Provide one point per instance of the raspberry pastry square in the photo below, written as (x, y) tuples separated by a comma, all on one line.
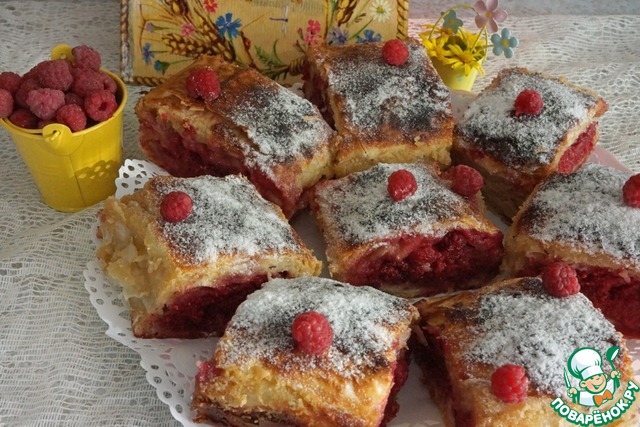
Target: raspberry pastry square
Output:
[(582, 220), (514, 144), (264, 369), (383, 113), (255, 127), (184, 266), (432, 241), (509, 354)]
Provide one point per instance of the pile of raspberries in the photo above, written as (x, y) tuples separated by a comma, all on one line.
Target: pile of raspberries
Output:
[(76, 94)]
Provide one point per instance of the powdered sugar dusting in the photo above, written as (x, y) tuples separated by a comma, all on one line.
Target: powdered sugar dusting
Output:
[(530, 328), (281, 125), (362, 319), (229, 216), (410, 97), (490, 124), (362, 210), (586, 209)]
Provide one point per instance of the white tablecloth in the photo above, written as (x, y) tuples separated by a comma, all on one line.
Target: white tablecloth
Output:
[(57, 367)]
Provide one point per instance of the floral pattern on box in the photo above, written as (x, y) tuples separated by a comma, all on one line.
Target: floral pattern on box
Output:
[(160, 37)]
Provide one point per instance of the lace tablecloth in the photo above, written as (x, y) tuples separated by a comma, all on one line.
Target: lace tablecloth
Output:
[(57, 366)]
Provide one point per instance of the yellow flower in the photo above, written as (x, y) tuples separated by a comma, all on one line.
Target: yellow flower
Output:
[(465, 58), (436, 47)]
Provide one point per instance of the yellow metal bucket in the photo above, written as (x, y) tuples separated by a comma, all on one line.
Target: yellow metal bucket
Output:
[(73, 170)]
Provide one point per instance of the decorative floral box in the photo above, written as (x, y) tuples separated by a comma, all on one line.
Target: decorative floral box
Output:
[(160, 37)]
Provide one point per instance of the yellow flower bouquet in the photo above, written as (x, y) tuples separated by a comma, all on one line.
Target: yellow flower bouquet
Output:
[(458, 54)]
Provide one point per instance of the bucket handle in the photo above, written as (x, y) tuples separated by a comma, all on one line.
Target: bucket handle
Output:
[(57, 139)]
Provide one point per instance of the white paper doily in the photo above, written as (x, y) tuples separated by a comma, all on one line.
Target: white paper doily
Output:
[(170, 364)]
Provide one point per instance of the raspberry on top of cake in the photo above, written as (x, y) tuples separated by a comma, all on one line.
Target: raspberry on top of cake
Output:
[(185, 265), (522, 128), (245, 124), (259, 372), (582, 219), (383, 112), (525, 141), (430, 241), (468, 336)]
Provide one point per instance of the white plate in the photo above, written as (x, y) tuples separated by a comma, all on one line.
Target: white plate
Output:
[(171, 363)]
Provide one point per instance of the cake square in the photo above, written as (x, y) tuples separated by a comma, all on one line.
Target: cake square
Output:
[(255, 127), (184, 279), (464, 338), (582, 220), (516, 152), (430, 242), (383, 113), (258, 373)]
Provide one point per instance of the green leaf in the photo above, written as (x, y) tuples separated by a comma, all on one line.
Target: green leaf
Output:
[(269, 59)]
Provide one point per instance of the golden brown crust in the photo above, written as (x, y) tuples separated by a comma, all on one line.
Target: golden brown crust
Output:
[(155, 269), (258, 374), (361, 225), (461, 386), (239, 132), (508, 182), (350, 82)]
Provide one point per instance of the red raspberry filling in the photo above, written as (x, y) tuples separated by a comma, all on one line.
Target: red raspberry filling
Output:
[(578, 152), (176, 206), (528, 102), (560, 279), (401, 184), (631, 192), (509, 383), (204, 311), (312, 333), (395, 52), (462, 259), (203, 83)]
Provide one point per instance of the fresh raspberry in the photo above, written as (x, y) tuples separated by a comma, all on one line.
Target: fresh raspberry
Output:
[(528, 102), (72, 116), (631, 191), (401, 184), (312, 333), (108, 83), (55, 74), (560, 279), (86, 80), (73, 98), (22, 93), (45, 102), (509, 383), (203, 83), (395, 52), (176, 206), (86, 57), (465, 180), (100, 105), (42, 123), (10, 81), (23, 118), (6, 103)]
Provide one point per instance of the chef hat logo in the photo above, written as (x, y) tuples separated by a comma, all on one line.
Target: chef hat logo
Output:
[(585, 363)]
